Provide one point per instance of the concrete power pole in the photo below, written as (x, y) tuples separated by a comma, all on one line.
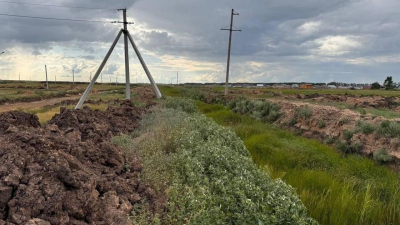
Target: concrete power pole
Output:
[(128, 82), (177, 78), (47, 81), (73, 77), (127, 36), (229, 49)]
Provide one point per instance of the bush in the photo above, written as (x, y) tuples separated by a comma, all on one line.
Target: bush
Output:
[(304, 112), (348, 134), (347, 148), (364, 127), (293, 121), (382, 156), (212, 178), (389, 129), (184, 104), (262, 110), (321, 124)]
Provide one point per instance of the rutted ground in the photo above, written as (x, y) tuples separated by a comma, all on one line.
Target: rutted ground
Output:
[(68, 172)]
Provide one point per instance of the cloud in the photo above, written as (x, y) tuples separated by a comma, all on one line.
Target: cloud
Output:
[(290, 40)]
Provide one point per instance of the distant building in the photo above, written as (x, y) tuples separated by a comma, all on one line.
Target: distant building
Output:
[(306, 86), (367, 87), (260, 85), (295, 86), (332, 86)]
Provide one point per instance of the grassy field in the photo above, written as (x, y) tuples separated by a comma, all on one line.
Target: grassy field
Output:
[(335, 189), (34, 91)]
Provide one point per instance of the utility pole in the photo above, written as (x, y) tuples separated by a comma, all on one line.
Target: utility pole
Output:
[(128, 82), (229, 50), (116, 81), (177, 78), (127, 36), (47, 81), (73, 76), (110, 79)]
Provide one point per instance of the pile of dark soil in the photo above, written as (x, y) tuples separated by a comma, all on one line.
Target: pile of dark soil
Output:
[(68, 172)]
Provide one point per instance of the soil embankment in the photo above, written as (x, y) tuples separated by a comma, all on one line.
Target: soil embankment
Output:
[(68, 172)]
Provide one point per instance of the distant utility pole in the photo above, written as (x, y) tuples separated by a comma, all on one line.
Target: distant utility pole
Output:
[(177, 77), (110, 79), (19, 77), (47, 81), (73, 77), (229, 49), (116, 81)]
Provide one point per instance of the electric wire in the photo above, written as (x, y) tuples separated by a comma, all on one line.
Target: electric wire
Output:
[(59, 6), (51, 18)]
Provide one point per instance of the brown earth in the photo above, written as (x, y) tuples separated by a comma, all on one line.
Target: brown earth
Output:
[(37, 104), (68, 172)]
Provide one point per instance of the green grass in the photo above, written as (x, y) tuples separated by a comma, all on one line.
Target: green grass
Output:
[(335, 189)]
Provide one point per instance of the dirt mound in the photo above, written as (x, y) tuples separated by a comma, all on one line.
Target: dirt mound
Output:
[(68, 172), (16, 118)]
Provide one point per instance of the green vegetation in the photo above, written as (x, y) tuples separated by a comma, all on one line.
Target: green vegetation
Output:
[(34, 91), (336, 189), (207, 172), (264, 111), (389, 129), (382, 156), (303, 112), (321, 124)]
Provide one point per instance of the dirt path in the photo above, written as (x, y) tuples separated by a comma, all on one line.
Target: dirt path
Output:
[(33, 105)]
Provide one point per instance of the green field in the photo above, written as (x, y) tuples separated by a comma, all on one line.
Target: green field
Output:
[(34, 91), (335, 189)]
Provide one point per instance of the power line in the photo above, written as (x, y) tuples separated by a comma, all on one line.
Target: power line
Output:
[(59, 6), (50, 18)]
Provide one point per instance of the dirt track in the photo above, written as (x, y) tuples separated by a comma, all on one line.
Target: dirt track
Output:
[(33, 105)]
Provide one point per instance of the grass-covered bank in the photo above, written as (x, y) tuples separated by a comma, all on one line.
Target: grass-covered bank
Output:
[(335, 189), (206, 172)]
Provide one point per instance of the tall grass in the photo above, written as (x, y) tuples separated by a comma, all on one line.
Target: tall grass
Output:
[(335, 189)]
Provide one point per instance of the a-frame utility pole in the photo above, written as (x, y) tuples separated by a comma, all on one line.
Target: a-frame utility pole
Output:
[(229, 49), (127, 36)]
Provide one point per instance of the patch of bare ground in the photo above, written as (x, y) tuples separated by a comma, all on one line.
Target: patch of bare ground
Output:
[(68, 172)]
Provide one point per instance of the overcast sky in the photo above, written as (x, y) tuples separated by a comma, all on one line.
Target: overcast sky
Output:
[(281, 40)]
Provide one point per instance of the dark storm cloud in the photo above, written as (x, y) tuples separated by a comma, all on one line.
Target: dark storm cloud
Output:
[(318, 40)]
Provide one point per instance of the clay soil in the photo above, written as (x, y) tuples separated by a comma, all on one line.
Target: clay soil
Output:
[(68, 172)]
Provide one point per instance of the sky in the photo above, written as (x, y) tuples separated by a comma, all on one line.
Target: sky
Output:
[(281, 40)]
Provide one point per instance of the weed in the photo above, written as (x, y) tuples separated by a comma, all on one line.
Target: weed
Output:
[(348, 134), (382, 156), (346, 120), (293, 121), (389, 129), (321, 124), (364, 127), (330, 140), (304, 112)]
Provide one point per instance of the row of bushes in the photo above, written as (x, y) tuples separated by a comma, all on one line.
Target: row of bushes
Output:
[(262, 110), (208, 173), (388, 129)]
